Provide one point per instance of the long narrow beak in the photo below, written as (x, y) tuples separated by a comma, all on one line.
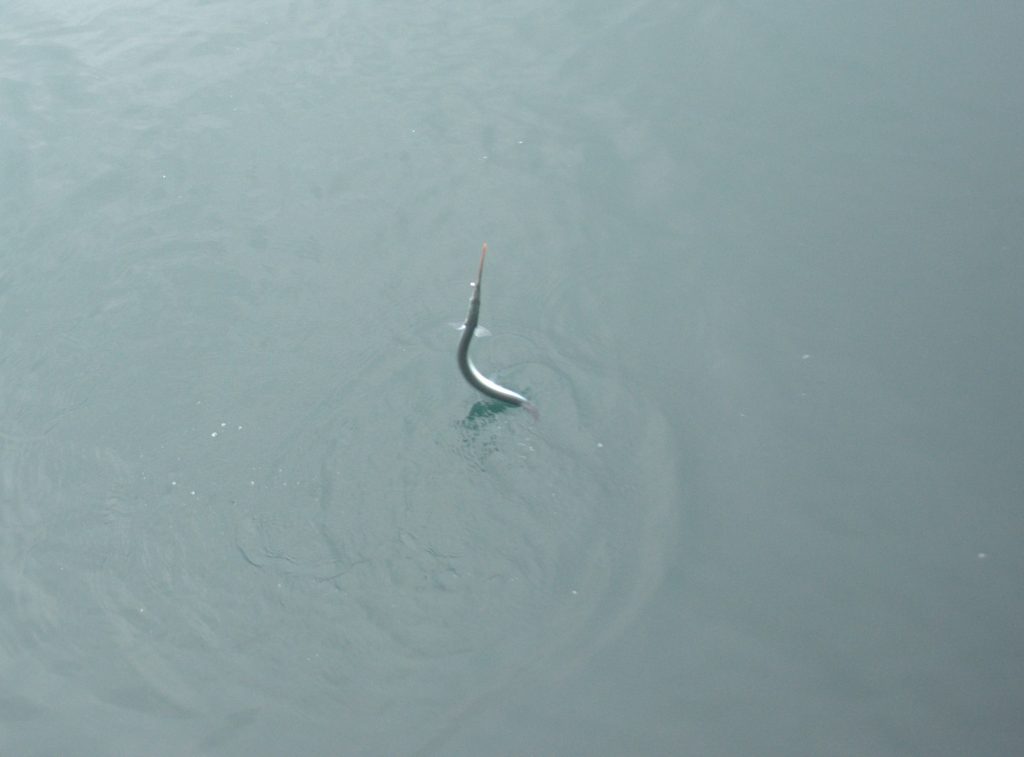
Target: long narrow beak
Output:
[(480, 272)]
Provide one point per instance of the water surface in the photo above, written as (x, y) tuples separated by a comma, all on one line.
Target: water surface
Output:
[(758, 268)]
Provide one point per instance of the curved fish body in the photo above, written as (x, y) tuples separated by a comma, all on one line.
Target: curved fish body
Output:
[(470, 371)]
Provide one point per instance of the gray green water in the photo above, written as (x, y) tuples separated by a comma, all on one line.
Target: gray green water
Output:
[(760, 266)]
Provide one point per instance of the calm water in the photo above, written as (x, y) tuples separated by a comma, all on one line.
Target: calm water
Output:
[(759, 267)]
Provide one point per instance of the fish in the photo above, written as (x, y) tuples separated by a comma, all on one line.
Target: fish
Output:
[(476, 379)]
